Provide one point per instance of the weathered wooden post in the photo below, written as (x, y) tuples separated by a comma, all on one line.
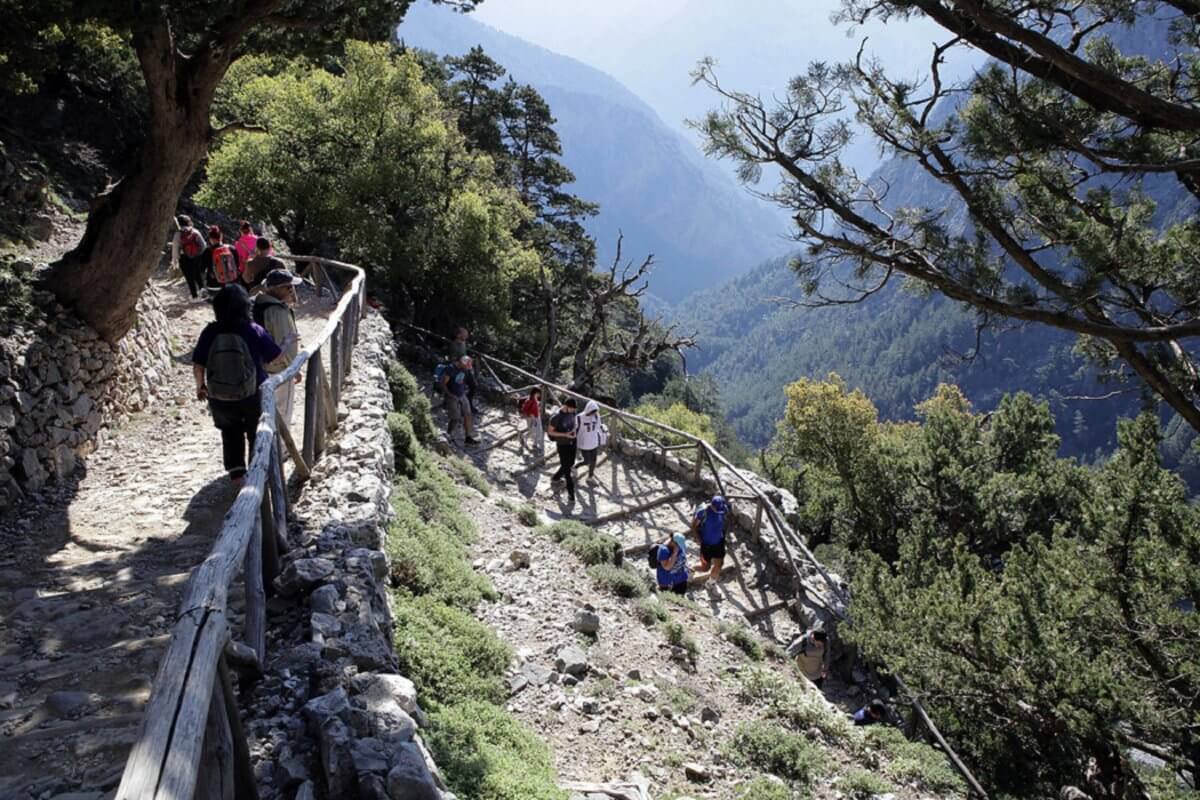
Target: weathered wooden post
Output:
[(279, 502), (214, 777), (335, 363), (698, 469), (312, 397), (245, 786), (256, 598), (758, 512)]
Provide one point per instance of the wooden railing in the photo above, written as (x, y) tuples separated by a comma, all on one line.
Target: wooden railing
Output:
[(191, 743), (634, 426)]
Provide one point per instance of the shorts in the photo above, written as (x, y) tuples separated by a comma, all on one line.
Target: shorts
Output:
[(457, 407), (710, 551), (679, 588)]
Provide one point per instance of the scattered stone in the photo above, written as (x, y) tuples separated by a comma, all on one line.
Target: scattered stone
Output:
[(516, 683), (709, 715), (645, 691), (67, 704), (536, 674), (586, 621), (697, 773), (591, 726), (519, 559), (303, 575), (571, 660)]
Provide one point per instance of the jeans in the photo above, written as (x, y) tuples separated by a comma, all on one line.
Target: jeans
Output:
[(566, 465), (237, 421)]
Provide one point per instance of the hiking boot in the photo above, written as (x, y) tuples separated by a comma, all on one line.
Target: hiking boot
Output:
[(471, 440)]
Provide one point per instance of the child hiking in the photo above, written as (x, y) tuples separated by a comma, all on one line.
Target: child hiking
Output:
[(531, 412), (229, 365)]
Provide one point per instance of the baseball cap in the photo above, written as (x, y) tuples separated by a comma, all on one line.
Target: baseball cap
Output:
[(281, 277), (718, 504)]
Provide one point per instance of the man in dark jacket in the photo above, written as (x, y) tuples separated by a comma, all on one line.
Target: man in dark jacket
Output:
[(563, 427)]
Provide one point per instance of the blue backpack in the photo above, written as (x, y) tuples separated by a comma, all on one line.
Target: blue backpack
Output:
[(440, 372)]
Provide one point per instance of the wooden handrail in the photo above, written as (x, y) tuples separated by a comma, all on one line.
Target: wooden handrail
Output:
[(787, 536), (166, 760)]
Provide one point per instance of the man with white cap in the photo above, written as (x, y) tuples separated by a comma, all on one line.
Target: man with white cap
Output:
[(273, 310)]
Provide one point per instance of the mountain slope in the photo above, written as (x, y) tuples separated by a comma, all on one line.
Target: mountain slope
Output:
[(650, 182)]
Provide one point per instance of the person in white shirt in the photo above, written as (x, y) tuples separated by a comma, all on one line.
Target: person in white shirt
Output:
[(588, 437)]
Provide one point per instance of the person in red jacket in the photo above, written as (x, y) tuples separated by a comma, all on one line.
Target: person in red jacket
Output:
[(531, 412)]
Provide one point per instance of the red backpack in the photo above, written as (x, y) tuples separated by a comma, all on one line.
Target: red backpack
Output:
[(192, 242), (225, 264)]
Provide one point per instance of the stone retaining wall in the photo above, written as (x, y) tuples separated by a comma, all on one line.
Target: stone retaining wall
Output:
[(331, 717), (61, 385)]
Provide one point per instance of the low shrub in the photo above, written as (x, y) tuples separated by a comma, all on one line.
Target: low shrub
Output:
[(760, 684), (743, 638), (793, 702), (447, 653), (649, 611), (470, 474), (621, 581), (680, 600), (772, 748), (764, 789), (679, 637), (528, 515), (404, 444), (862, 784), (486, 754), (912, 762), (589, 545), (408, 399)]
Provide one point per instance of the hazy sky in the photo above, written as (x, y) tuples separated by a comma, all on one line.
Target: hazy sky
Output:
[(651, 45)]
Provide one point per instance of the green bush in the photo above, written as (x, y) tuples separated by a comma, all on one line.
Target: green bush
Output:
[(683, 601), (678, 636), (743, 638), (793, 702), (912, 762), (408, 399), (760, 684), (621, 581), (861, 784), (404, 444), (470, 474), (649, 611), (16, 295), (421, 415), (528, 515), (430, 559), (771, 748), (589, 545), (764, 789), (485, 754), (447, 653)]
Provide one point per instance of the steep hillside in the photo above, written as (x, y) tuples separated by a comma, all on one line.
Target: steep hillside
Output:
[(650, 182)]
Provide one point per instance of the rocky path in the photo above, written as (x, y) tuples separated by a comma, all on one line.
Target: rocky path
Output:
[(91, 574), (640, 706)]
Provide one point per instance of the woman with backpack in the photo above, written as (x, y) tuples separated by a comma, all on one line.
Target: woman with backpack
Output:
[(590, 438), (531, 412), (225, 266), (246, 245), (191, 255), (229, 364), (670, 562)]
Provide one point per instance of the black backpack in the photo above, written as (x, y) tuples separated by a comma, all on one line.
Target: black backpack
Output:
[(652, 556)]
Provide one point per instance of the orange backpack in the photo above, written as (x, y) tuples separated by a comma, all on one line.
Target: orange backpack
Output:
[(225, 264)]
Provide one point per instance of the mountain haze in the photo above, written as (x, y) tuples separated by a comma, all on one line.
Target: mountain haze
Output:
[(649, 180)]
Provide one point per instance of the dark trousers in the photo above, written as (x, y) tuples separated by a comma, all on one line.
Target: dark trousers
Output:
[(237, 421), (193, 273), (566, 464)]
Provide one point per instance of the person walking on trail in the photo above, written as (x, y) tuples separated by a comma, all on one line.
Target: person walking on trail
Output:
[(562, 430), (458, 406), (229, 365), (811, 651), (870, 714), (671, 572), (531, 412), (458, 349), (261, 262), (588, 439), (273, 311), (225, 265), (191, 255), (708, 524), (246, 243)]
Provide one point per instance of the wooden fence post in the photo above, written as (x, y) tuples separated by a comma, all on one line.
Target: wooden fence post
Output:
[(214, 778), (335, 364), (323, 409), (698, 469), (245, 786), (758, 512), (255, 628), (279, 501), (270, 538), (312, 398)]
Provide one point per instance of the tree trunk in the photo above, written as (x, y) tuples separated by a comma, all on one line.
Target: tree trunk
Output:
[(551, 303), (103, 277)]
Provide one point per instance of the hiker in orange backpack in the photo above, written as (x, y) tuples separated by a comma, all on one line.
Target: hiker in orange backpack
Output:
[(226, 268), (191, 255)]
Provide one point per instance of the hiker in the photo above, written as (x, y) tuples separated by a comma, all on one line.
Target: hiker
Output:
[(531, 412), (225, 266), (708, 524), (562, 430), (261, 262), (273, 310), (458, 406), (458, 349), (229, 364), (589, 439), (671, 572), (811, 651), (246, 243), (191, 255), (870, 714)]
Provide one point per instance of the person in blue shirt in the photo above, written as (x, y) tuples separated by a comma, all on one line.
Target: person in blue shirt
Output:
[(672, 573), (870, 714), (456, 384), (708, 523)]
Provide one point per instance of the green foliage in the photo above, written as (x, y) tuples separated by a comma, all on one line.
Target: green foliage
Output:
[(470, 474), (589, 545), (408, 399), (793, 702), (485, 754), (678, 636), (16, 295), (742, 637), (528, 515), (623, 581), (912, 762), (649, 611), (862, 784), (448, 654), (404, 443), (764, 789), (678, 416), (774, 749)]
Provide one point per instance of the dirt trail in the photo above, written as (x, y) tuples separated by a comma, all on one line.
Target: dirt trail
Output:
[(91, 574), (642, 707)]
